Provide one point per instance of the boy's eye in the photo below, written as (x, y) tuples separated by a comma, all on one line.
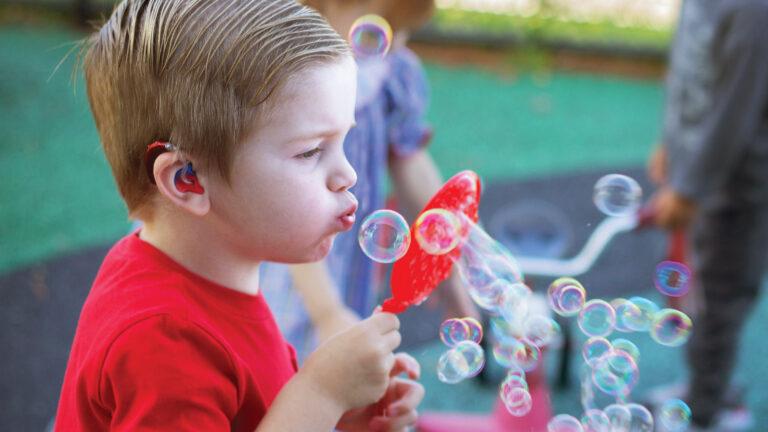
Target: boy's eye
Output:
[(310, 154)]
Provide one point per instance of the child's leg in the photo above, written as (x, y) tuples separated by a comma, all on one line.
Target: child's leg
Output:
[(730, 250)]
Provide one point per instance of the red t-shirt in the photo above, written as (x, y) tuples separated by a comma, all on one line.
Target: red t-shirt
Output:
[(160, 348)]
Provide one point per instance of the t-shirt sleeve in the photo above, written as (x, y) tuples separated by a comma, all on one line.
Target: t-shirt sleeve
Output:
[(165, 373), (407, 94)]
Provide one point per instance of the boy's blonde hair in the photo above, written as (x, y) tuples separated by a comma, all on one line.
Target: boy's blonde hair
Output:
[(193, 73)]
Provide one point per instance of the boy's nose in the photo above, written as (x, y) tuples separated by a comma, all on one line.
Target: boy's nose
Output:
[(343, 177)]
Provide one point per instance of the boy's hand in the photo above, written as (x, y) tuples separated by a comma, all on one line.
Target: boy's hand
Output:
[(335, 322), (397, 409), (352, 368)]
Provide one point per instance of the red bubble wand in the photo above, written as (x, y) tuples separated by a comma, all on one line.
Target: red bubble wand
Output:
[(417, 273)]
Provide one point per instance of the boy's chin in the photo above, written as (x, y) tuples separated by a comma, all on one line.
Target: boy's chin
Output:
[(315, 253)]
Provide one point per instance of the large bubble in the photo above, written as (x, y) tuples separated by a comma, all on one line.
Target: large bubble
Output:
[(384, 236), (370, 36), (566, 296), (617, 195), (670, 327), (437, 231), (672, 278), (564, 423), (597, 318), (675, 415)]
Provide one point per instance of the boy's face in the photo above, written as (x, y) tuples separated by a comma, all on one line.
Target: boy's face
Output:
[(289, 191)]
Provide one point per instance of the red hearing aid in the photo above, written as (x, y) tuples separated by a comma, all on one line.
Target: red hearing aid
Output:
[(185, 179)]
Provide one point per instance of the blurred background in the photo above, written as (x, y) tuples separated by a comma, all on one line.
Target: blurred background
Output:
[(540, 97)]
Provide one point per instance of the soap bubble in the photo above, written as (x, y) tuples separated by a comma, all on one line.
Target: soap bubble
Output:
[(619, 417), (453, 331), (595, 420), (475, 329), (541, 330), (566, 296), (514, 392), (437, 231), (370, 36), (504, 352), (640, 322), (384, 236), (671, 327), (517, 400), (464, 360), (527, 355), (672, 278), (617, 195), (519, 352), (625, 311), (615, 373), (474, 356), (564, 423), (675, 415), (628, 347), (642, 419), (595, 348), (597, 318), (514, 379), (514, 300), (451, 367)]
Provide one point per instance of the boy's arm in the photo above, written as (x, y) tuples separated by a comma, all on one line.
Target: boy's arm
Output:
[(328, 313), (415, 179), (348, 371), (301, 406)]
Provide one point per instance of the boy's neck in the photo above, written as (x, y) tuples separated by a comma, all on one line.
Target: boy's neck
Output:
[(202, 253)]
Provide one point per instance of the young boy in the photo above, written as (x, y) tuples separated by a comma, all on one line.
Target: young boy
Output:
[(223, 122)]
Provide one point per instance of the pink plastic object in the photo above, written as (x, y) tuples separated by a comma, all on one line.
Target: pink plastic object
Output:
[(416, 274)]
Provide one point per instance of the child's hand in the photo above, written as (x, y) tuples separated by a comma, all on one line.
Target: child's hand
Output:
[(335, 322), (352, 368), (397, 409)]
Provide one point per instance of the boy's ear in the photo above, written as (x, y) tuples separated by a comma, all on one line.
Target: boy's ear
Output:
[(168, 170)]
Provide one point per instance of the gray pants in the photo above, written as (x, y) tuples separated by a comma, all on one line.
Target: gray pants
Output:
[(729, 254)]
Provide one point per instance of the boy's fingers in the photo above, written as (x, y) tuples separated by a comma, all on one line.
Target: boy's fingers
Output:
[(384, 322), (392, 340), (398, 423), (409, 395), (406, 363)]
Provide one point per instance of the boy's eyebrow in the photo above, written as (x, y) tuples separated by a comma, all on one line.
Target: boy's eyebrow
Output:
[(320, 133)]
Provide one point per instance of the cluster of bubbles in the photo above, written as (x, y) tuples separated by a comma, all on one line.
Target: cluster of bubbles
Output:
[(370, 36), (521, 329), (465, 358), (385, 236), (617, 195), (611, 367), (455, 330), (495, 283), (668, 327)]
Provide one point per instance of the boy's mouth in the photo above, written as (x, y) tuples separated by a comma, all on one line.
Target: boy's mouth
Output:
[(347, 219)]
